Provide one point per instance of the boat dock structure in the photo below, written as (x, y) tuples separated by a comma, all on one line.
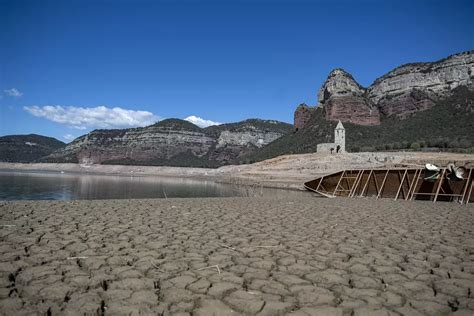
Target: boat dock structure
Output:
[(449, 184)]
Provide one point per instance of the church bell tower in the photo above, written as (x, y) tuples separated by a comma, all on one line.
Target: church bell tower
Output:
[(340, 137)]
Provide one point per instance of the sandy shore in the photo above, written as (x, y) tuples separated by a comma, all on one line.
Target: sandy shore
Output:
[(232, 256), (288, 171)]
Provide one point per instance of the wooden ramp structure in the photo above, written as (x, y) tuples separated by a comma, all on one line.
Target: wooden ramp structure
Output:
[(397, 184)]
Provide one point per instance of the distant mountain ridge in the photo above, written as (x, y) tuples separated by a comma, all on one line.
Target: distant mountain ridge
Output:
[(429, 104), (172, 142), (405, 90), (27, 148)]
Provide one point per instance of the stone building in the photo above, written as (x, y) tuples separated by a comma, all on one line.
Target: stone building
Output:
[(339, 145)]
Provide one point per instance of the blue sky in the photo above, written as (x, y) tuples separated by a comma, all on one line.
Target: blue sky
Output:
[(67, 67)]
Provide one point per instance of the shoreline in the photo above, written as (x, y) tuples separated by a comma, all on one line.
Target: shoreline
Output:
[(285, 172)]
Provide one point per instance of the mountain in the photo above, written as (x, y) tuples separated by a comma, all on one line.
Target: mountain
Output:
[(27, 148), (398, 94), (447, 125), (346, 100), (172, 142), (416, 105)]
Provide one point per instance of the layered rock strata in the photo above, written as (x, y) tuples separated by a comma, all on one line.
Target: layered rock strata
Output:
[(399, 93), (171, 142)]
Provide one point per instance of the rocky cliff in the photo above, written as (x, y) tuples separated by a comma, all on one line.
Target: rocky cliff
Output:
[(447, 126), (302, 115), (416, 87), (27, 148), (399, 93), (172, 142), (345, 100)]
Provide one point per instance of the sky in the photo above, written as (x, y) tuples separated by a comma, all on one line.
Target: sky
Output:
[(68, 67)]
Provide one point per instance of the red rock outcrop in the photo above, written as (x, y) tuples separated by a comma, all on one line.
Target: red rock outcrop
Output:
[(351, 109), (344, 100), (405, 90), (302, 116)]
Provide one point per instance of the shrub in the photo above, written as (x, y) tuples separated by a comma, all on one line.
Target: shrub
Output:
[(415, 146)]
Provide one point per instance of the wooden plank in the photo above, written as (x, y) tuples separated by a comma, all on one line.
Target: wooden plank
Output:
[(469, 195), (439, 185), (401, 184), (376, 184), (462, 190), (383, 183), (366, 183), (466, 186), (348, 185), (411, 188), (407, 180), (337, 186), (324, 188), (416, 184), (319, 184), (356, 183), (359, 182)]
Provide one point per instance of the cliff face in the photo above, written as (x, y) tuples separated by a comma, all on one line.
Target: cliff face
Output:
[(414, 87), (27, 148), (302, 116), (344, 99), (399, 93), (171, 142)]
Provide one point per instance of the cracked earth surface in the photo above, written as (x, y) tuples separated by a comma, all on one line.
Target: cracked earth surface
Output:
[(232, 256)]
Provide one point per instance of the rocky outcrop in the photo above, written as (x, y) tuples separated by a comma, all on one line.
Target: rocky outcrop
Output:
[(414, 87), (302, 116), (344, 100), (399, 93), (171, 142), (27, 148)]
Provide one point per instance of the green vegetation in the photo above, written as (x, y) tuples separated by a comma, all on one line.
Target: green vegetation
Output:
[(250, 124), (27, 148)]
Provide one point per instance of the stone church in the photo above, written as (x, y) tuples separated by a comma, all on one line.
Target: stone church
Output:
[(339, 145)]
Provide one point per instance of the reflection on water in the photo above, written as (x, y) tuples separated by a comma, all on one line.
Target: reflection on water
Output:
[(63, 186)]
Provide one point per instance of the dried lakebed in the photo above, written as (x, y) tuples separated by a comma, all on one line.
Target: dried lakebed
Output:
[(231, 256)]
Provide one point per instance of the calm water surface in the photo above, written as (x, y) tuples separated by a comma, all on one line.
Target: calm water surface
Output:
[(22, 185)]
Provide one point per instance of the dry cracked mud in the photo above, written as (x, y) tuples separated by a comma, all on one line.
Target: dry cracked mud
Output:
[(232, 256)]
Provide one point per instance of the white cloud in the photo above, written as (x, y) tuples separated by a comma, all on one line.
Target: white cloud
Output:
[(200, 121), (69, 137), (13, 92), (98, 117)]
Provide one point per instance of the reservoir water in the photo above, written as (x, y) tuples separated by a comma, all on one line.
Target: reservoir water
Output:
[(30, 185)]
